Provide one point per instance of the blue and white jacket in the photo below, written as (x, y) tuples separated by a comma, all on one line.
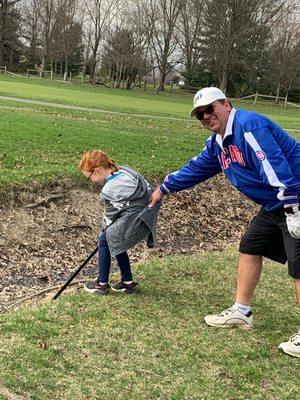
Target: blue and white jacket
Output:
[(258, 157)]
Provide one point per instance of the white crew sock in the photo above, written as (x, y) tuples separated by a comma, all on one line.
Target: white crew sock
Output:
[(242, 308)]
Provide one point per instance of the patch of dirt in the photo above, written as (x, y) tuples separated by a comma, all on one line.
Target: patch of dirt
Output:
[(51, 231)]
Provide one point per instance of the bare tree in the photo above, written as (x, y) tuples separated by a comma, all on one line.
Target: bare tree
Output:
[(285, 53), (125, 56), (52, 28), (31, 32), (161, 17), (137, 46), (45, 11), (9, 26), (100, 15), (189, 34), (87, 40), (235, 29), (66, 34)]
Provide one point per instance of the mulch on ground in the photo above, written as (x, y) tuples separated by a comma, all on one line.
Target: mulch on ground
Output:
[(51, 231)]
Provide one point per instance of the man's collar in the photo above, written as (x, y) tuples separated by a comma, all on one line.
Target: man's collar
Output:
[(228, 129)]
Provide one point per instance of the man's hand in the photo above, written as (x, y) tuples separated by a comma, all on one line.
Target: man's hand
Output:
[(293, 224), (155, 197)]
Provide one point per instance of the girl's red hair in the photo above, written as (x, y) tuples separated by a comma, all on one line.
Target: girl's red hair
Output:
[(96, 158)]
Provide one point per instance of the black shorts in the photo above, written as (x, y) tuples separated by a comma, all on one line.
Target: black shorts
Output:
[(268, 236)]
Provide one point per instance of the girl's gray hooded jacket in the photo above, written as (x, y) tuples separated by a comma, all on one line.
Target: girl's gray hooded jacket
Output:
[(127, 218)]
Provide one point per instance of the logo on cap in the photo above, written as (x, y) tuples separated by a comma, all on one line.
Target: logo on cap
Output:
[(197, 97)]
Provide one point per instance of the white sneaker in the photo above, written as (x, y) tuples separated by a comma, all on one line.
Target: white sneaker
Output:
[(230, 318), (292, 347)]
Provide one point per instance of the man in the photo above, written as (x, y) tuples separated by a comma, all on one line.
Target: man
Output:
[(262, 161)]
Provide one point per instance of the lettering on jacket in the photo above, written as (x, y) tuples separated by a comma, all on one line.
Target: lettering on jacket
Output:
[(233, 154)]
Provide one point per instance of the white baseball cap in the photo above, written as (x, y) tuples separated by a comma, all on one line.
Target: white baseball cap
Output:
[(206, 96)]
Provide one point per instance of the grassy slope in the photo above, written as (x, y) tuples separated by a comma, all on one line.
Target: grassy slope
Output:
[(155, 345), (127, 101), (38, 143), (95, 97)]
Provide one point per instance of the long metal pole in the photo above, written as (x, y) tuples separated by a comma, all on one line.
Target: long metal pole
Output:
[(75, 274)]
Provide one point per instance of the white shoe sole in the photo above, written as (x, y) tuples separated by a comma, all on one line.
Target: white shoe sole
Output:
[(89, 290), (94, 291), (246, 327), (123, 290), (117, 290), (289, 352)]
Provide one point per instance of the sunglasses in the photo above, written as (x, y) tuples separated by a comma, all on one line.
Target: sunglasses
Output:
[(208, 110)]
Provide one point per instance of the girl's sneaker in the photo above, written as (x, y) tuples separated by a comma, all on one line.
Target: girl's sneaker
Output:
[(95, 287), (124, 287)]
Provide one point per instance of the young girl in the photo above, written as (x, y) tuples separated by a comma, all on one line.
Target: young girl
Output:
[(127, 219)]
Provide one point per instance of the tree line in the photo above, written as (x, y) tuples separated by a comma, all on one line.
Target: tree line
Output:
[(239, 45)]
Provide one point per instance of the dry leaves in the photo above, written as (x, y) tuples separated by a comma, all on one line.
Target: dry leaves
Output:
[(41, 246)]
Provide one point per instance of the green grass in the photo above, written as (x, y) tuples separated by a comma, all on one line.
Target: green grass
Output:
[(155, 344), (95, 97), (39, 144), (128, 101)]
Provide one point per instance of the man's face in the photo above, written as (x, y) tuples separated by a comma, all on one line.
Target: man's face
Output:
[(215, 116)]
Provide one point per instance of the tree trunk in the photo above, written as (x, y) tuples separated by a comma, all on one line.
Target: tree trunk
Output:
[(224, 80), (128, 83), (161, 84), (1, 52), (154, 77), (66, 65), (277, 92), (3, 16), (123, 77), (109, 73), (286, 98), (92, 71), (11, 57), (119, 75), (42, 66), (93, 66)]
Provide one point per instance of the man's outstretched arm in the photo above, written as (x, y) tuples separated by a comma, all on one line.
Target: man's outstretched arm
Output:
[(197, 170)]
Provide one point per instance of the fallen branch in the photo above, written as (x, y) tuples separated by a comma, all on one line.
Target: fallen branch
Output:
[(46, 290), (75, 226), (32, 296), (8, 395), (45, 201)]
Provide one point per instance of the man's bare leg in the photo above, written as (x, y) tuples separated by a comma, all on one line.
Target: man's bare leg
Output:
[(249, 270), (292, 346), (297, 289)]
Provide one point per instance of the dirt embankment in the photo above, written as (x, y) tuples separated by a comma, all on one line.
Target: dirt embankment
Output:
[(51, 231)]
